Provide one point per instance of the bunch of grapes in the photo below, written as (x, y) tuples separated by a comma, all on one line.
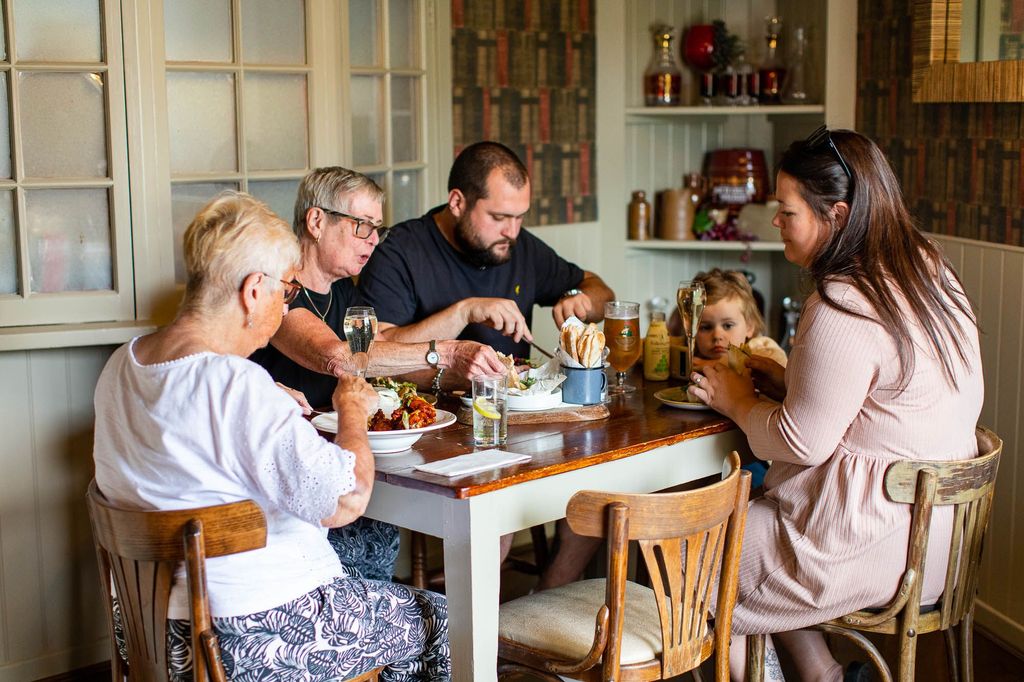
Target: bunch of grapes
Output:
[(725, 232)]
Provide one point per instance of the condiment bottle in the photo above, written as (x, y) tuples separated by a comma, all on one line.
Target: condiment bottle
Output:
[(639, 216), (656, 345)]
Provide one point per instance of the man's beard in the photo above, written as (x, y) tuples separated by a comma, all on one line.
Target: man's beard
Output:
[(474, 251)]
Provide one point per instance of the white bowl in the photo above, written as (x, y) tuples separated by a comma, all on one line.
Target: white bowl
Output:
[(530, 403), (386, 442)]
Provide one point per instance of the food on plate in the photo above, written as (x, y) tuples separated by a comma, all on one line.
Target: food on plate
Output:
[(584, 345), (512, 378), (738, 356), (399, 407)]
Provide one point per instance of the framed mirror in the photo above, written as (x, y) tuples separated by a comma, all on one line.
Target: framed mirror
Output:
[(939, 76)]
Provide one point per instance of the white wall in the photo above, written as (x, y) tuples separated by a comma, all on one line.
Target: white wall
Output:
[(994, 277), (51, 618)]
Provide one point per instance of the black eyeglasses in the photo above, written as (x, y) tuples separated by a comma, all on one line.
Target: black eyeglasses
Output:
[(822, 136), (364, 228)]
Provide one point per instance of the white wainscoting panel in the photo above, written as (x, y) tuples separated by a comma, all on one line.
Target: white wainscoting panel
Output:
[(51, 618), (994, 278)]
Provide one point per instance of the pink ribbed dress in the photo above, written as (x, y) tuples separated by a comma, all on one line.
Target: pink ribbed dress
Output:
[(824, 540)]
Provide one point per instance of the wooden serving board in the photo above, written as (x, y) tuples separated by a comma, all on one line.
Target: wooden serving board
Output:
[(579, 413)]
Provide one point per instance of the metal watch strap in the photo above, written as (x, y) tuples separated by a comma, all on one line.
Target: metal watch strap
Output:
[(572, 292)]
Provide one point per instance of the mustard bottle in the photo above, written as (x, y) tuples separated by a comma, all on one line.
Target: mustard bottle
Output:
[(656, 346)]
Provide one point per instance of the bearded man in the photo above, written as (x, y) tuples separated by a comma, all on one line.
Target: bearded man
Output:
[(468, 270)]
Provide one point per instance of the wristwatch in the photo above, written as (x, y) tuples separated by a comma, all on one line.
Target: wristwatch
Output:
[(572, 292), (433, 357)]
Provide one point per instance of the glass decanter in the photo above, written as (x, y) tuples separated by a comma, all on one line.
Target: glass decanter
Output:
[(663, 78), (794, 90), (772, 72)]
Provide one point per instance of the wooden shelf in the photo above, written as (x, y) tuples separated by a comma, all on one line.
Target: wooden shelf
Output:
[(756, 110), (698, 245)]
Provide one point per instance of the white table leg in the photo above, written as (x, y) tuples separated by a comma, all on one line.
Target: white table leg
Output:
[(472, 578)]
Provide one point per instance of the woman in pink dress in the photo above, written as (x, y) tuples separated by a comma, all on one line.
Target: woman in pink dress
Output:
[(885, 366)]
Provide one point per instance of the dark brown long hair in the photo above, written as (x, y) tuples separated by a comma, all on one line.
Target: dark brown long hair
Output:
[(877, 248)]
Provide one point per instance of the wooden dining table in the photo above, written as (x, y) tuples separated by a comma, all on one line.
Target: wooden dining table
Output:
[(642, 446)]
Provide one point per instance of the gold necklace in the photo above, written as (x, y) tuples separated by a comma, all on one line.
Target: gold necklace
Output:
[(322, 316)]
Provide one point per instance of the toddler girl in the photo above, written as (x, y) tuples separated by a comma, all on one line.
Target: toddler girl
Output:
[(730, 317)]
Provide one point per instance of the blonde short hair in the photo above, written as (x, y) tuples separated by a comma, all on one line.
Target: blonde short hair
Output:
[(230, 238), (721, 285)]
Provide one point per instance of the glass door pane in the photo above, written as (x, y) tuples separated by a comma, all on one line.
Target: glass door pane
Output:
[(63, 125), (274, 31), (69, 241), (276, 121), (201, 118), (58, 30), (367, 120), (9, 276), (363, 30), (197, 31)]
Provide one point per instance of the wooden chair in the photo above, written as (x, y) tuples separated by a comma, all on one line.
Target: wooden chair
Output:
[(139, 551), (615, 629), (968, 486)]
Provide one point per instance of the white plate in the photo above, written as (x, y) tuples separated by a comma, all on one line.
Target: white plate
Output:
[(528, 403), (386, 442), (676, 397)]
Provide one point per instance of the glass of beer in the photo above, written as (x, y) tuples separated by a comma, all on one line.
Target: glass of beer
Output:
[(690, 298), (622, 334), (360, 328)]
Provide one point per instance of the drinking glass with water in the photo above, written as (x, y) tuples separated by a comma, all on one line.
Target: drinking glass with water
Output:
[(360, 328), (490, 410)]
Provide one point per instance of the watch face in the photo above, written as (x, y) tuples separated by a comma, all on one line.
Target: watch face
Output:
[(432, 357)]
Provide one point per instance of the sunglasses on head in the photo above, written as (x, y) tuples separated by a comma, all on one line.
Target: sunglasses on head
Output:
[(822, 137)]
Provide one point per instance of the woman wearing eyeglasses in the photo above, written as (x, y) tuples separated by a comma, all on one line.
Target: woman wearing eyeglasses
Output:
[(885, 366), (339, 222), (183, 420)]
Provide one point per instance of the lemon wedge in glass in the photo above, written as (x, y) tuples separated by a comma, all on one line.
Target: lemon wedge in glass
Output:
[(486, 408)]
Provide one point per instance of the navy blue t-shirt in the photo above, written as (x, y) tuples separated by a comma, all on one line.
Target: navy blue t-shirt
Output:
[(317, 387), (416, 272)]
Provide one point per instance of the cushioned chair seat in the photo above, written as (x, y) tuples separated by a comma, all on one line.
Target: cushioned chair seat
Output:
[(561, 620)]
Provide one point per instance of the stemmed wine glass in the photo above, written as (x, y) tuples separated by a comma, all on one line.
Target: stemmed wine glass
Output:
[(690, 298), (622, 334), (360, 327)]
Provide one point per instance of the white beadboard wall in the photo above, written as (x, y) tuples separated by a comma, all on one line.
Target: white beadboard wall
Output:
[(51, 618), (994, 278)]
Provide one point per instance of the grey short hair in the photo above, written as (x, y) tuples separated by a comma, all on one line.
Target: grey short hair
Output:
[(331, 187), (230, 238)]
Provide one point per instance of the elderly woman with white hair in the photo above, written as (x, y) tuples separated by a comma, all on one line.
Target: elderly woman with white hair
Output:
[(184, 420), (339, 222)]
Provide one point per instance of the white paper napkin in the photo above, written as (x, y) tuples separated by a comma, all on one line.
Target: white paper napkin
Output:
[(472, 463)]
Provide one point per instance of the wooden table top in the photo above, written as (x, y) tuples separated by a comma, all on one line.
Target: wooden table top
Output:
[(638, 422)]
